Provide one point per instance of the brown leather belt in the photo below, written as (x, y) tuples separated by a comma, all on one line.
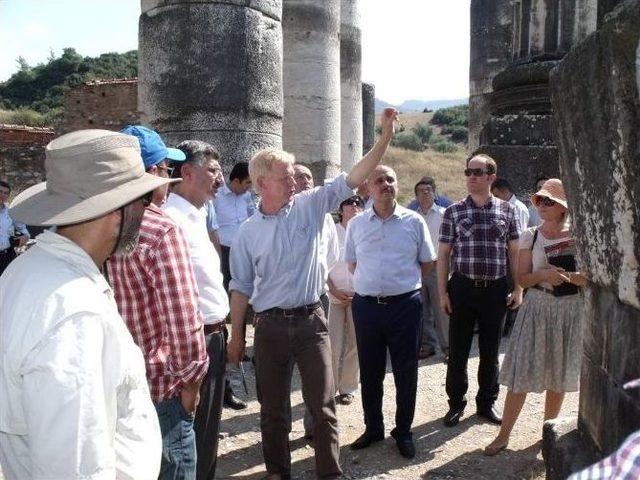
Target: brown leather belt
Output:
[(214, 328)]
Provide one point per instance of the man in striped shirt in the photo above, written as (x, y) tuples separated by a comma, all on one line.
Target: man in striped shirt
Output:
[(157, 297)]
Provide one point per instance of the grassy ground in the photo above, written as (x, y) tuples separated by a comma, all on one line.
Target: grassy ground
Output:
[(445, 168)]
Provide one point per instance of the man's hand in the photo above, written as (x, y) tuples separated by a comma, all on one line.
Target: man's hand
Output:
[(445, 303), (22, 240), (387, 119), (516, 298), (235, 350), (190, 397)]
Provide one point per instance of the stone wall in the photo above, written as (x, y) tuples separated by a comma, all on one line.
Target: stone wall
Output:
[(22, 155), (109, 105), (597, 120)]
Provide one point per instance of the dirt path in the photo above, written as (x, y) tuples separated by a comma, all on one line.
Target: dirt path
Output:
[(442, 453)]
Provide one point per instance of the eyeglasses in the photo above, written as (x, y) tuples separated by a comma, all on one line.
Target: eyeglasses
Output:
[(546, 201), (476, 172)]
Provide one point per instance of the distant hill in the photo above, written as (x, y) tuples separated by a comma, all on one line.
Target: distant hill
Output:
[(420, 105)]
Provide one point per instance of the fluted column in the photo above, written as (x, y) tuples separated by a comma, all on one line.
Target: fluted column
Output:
[(350, 83), (311, 71)]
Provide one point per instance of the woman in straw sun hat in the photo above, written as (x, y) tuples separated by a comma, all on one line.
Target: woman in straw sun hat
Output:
[(73, 389), (544, 348)]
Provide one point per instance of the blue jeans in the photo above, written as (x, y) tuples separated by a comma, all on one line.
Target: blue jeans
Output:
[(178, 441)]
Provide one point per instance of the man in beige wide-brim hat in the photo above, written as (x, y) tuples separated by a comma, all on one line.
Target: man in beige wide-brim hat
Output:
[(75, 400)]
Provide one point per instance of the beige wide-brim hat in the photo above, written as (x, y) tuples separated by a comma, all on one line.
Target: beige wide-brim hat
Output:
[(89, 173), (552, 189)]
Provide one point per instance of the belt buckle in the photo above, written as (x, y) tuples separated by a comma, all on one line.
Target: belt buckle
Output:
[(380, 301), (480, 284), (288, 312)]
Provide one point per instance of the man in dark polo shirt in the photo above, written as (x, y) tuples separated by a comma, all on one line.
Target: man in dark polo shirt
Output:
[(477, 236)]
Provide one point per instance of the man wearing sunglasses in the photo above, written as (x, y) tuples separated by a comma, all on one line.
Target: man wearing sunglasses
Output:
[(477, 236), (156, 293)]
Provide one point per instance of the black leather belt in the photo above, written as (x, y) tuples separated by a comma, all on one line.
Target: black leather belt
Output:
[(478, 283), (214, 328), (290, 312), (387, 299)]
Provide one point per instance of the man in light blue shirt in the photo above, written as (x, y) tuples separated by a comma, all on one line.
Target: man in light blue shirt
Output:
[(10, 230), (275, 262), (233, 205), (389, 250)]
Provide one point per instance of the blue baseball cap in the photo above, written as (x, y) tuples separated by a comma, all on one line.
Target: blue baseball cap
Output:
[(152, 148)]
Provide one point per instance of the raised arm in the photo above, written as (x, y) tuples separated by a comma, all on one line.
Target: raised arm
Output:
[(364, 167)]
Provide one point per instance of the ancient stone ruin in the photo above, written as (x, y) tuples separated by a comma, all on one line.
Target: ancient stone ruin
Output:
[(567, 104)]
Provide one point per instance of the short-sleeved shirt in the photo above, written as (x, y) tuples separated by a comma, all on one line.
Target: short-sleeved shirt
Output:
[(388, 252), (275, 259), (479, 237), (7, 224), (433, 217)]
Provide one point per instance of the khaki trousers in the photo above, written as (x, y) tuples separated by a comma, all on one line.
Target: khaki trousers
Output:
[(344, 348), (283, 339)]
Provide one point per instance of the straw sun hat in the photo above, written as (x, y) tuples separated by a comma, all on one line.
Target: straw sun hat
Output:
[(552, 189), (89, 173)]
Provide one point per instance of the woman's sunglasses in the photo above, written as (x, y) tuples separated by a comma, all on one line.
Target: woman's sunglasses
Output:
[(546, 201)]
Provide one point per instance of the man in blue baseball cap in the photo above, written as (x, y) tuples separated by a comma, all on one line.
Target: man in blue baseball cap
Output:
[(167, 327), (155, 156)]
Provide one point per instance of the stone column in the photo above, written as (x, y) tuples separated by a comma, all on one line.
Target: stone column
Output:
[(212, 70), (350, 83), (491, 37), (519, 134), (311, 125), (368, 116)]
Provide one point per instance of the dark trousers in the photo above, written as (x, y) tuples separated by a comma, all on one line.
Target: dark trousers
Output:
[(224, 266), (6, 257), (486, 305), (395, 326), (178, 441), (280, 341), (207, 421)]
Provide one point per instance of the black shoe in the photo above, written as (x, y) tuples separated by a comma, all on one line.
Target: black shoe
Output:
[(453, 416), (491, 414), (366, 439), (405, 445), (231, 401)]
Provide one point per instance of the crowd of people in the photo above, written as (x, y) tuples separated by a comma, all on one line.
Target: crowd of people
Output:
[(114, 323)]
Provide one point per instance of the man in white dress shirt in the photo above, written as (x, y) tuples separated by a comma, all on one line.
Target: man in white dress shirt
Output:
[(74, 399), (435, 323), (201, 178)]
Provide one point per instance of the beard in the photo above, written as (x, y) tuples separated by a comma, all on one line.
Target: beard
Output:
[(129, 228)]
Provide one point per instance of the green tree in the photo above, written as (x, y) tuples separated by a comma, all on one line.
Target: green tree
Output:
[(424, 132), (408, 141)]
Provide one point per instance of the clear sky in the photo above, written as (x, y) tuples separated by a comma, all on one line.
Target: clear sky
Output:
[(412, 49)]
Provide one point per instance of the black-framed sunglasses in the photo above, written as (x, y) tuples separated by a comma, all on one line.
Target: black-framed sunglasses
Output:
[(476, 172), (546, 201)]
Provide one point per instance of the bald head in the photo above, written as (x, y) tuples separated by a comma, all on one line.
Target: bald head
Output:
[(303, 178), (383, 184)]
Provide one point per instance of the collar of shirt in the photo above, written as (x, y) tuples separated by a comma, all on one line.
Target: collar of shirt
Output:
[(432, 208), (373, 215), (284, 211), (470, 203), (186, 207), (62, 247)]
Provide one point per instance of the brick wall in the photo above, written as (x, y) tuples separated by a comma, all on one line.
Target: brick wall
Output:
[(105, 104), (22, 155)]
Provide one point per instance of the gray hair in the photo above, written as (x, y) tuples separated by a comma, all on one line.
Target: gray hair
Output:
[(198, 152)]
